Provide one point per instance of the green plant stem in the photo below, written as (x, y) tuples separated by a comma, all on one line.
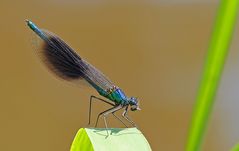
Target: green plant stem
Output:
[(235, 148), (217, 52)]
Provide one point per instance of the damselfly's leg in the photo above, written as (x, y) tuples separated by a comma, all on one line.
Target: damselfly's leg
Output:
[(106, 112), (125, 115), (119, 119), (96, 98)]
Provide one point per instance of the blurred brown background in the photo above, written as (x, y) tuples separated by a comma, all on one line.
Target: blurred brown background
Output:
[(152, 49)]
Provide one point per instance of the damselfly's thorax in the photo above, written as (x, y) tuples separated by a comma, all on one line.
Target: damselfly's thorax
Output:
[(118, 96), (112, 89)]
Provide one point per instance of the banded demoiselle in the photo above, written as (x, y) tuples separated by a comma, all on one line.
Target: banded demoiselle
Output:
[(66, 64)]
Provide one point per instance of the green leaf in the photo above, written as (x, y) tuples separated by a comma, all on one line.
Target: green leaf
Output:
[(119, 139), (81, 142)]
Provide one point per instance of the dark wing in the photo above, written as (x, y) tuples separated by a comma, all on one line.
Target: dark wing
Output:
[(65, 63), (94, 75)]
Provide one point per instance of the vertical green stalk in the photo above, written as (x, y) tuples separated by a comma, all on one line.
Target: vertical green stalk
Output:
[(216, 56), (235, 148)]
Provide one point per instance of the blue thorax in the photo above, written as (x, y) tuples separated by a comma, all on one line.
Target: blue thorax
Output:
[(114, 94)]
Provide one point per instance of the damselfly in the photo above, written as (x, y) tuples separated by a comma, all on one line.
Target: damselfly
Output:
[(65, 63)]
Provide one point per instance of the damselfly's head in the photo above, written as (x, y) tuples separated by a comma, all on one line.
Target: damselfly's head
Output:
[(134, 104)]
